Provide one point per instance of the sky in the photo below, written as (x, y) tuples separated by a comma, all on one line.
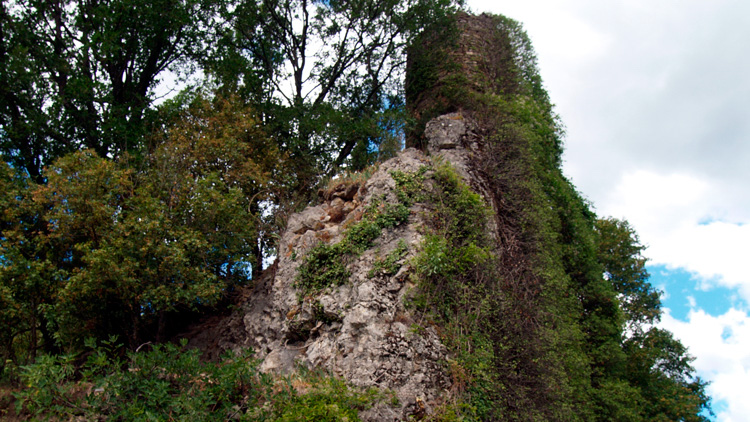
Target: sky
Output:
[(655, 98)]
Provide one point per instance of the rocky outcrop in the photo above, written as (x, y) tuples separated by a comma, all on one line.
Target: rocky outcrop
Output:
[(362, 330)]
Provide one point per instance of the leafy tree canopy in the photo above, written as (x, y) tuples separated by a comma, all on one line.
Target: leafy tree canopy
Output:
[(327, 73), (620, 252), (105, 248), (81, 73)]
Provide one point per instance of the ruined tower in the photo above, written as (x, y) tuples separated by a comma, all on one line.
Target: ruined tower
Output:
[(362, 279), (450, 66)]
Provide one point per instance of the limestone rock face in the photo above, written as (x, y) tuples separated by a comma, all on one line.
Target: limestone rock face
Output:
[(453, 137), (362, 330)]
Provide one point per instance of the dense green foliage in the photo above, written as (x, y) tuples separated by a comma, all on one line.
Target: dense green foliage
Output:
[(119, 218), (328, 74), (552, 320), (168, 382), (80, 74), (103, 248)]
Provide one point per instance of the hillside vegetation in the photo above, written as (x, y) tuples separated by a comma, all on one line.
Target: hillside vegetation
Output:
[(559, 325), (122, 221)]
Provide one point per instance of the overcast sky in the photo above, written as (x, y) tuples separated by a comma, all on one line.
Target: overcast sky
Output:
[(655, 96)]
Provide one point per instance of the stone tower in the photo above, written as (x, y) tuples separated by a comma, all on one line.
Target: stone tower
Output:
[(449, 66)]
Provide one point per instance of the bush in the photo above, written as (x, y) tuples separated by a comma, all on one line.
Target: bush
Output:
[(326, 399), (160, 384), (170, 382)]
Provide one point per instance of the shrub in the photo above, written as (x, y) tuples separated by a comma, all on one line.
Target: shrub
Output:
[(170, 382)]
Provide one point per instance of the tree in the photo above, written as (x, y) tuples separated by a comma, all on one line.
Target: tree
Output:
[(322, 70), (27, 278), (26, 137), (221, 136), (105, 248), (657, 366), (660, 367), (81, 73), (620, 253)]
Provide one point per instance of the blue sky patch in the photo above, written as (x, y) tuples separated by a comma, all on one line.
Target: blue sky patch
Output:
[(717, 406), (685, 291), (707, 220), (726, 333)]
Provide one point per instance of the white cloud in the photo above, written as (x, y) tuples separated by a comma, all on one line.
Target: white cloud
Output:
[(717, 252), (647, 197), (679, 217), (721, 345), (655, 96)]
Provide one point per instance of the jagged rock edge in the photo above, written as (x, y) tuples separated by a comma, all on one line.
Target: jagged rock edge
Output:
[(361, 331)]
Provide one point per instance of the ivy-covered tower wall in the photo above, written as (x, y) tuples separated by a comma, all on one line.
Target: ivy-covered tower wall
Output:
[(550, 314), (467, 56)]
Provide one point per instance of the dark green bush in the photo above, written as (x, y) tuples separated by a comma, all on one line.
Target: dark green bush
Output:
[(169, 382), (324, 266), (165, 383)]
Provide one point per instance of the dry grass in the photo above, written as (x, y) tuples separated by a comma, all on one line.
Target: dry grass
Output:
[(347, 184)]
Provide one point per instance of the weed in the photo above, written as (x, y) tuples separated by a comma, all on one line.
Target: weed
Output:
[(453, 255), (324, 266), (321, 397), (390, 264), (356, 177), (410, 186), (169, 382)]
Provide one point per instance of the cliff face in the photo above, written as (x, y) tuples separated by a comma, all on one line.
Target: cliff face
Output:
[(442, 276), (465, 275), (361, 327)]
